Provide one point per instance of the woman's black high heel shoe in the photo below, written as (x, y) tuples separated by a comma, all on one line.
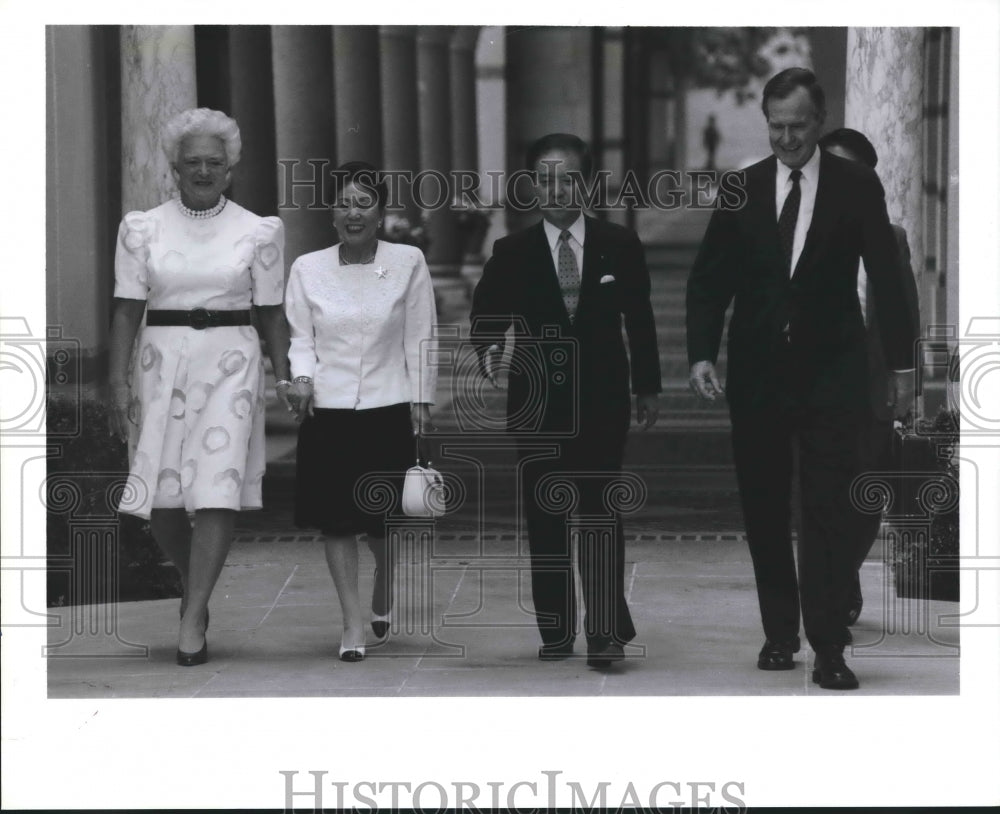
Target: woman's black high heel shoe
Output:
[(380, 624), (193, 659)]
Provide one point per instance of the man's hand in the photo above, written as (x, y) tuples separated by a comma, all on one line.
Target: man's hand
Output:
[(704, 382), (647, 410), (901, 389), (491, 364)]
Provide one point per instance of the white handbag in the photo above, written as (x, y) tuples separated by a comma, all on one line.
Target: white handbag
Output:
[(423, 489)]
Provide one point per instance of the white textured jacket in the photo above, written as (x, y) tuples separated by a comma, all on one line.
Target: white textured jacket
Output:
[(363, 332)]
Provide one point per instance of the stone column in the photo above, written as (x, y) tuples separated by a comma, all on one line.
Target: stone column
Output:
[(561, 103), (251, 103), (357, 97), (303, 115), (885, 101), (81, 215), (400, 121), (158, 81), (885, 96), (472, 222), (434, 194), (464, 141)]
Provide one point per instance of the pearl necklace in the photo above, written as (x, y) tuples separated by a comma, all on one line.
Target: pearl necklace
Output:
[(345, 262), (201, 214)]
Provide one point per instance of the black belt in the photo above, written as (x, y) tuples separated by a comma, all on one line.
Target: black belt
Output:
[(198, 318)]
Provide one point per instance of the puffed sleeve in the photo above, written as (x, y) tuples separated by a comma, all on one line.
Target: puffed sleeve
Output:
[(268, 269), (302, 350), (418, 333), (132, 256)]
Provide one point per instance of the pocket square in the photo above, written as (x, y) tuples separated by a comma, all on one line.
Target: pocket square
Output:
[(607, 278)]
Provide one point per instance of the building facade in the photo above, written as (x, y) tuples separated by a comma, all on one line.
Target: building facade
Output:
[(437, 100)]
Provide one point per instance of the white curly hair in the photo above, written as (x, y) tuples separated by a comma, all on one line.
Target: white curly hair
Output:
[(202, 121)]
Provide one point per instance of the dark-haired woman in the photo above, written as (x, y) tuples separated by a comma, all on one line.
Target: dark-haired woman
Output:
[(361, 315)]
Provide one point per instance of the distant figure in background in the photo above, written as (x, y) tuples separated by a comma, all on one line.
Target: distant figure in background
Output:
[(710, 137), (877, 433)]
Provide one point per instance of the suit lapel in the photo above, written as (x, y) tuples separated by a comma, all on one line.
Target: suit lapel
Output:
[(822, 219), (761, 183), (592, 262), (546, 279)]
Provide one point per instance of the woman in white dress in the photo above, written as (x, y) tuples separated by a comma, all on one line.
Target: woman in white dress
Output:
[(361, 315), (192, 405)]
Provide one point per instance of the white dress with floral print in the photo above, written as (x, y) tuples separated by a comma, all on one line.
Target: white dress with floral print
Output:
[(198, 394)]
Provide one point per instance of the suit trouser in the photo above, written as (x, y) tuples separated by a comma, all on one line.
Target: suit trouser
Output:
[(875, 456), (582, 470), (828, 462)]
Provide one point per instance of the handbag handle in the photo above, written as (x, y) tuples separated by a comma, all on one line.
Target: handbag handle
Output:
[(420, 450)]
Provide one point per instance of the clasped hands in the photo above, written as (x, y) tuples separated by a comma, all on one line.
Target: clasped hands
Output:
[(298, 396)]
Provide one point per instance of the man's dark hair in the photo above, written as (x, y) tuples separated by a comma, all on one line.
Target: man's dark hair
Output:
[(364, 176), (565, 142), (852, 141), (782, 85)]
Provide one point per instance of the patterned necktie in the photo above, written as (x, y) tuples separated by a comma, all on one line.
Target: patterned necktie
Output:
[(786, 221), (569, 275)]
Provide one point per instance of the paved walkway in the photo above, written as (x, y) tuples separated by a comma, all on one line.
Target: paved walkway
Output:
[(276, 626), (276, 621)]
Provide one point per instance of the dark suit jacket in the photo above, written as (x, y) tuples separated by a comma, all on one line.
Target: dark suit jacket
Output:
[(877, 371), (824, 358), (520, 287)]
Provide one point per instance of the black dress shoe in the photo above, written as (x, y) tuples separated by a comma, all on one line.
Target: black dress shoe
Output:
[(856, 601), (606, 657), (831, 673), (555, 652), (193, 659), (777, 655)]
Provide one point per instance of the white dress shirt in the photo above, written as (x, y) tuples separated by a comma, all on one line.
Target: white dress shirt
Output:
[(863, 289), (577, 231), (807, 203), (363, 332)]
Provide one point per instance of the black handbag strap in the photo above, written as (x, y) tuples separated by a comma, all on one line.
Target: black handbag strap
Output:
[(420, 450)]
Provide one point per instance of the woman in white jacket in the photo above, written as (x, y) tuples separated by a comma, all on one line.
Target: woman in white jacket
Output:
[(361, 315)]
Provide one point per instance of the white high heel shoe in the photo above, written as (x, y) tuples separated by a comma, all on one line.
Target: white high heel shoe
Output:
[(351, 654)]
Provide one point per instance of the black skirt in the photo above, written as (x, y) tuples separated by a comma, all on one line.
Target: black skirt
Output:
[(349, 468)]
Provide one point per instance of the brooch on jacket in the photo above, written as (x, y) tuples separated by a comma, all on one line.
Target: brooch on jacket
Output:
[(380, 272)]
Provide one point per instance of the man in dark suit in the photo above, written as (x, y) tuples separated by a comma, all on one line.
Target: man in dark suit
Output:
[(876, 435), (564, 285), (797, 357)]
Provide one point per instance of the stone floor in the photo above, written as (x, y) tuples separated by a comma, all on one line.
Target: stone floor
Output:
[(462, 631)]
